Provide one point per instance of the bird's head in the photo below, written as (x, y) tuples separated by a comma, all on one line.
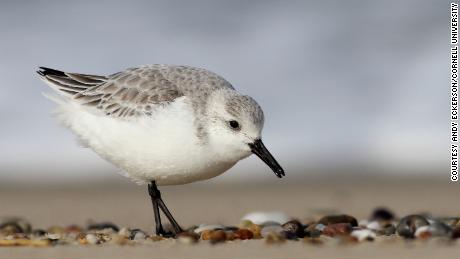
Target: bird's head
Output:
[(235, 128)]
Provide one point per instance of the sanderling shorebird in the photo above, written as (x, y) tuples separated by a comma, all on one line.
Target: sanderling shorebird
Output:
[(161, 124)]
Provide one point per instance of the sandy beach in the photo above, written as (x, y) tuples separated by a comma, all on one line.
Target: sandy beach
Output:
[(126, 204)]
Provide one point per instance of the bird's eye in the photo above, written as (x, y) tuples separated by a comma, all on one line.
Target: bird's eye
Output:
[(234, 125)]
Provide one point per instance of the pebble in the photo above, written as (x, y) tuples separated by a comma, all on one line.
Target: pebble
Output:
[(255, 229), (314, 230), (261, 218), (205, 227), (409, 224), (293, 228), (119, 239), (339, 229), (14, 225), (38, 233), (188, 237), (81, 239), (53, 236), (364, 234), (387, 230), (56, 230), (334, 219), (326, 230), (274, 238), (73, 229), (230, 228), (449, 221), (422, 232), (137, 234), (455, 233), (382, 214), (217, 236), (126, 232), (243, 234), (435, 229), (92, 239), (103, 226), (439, 229), (205, 234), (266, 231), (374, 225)]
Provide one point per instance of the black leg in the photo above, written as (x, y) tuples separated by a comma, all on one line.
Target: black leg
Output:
[(157, 204), (156, 211), (171, 219)]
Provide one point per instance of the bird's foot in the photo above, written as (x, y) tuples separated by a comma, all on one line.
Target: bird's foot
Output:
[(167, 234)]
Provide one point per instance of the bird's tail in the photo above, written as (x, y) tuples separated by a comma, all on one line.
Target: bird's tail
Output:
[(69, 84)]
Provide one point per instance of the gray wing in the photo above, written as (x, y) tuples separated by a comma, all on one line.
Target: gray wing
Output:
[(135, 91)]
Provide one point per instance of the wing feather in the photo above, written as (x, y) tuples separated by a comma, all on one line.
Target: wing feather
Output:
[(135, 91)]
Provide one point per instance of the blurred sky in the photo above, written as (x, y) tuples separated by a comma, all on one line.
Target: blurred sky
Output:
[(343, 84)]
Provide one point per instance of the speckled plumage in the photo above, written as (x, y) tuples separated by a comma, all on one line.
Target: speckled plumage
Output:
[(136, 91)]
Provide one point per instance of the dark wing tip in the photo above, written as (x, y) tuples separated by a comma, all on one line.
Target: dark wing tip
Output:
[(44, 71)]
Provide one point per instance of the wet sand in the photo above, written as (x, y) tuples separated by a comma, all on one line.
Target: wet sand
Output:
[(126, 204)]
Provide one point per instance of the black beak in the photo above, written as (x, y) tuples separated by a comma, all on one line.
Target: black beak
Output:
[(261, 151)]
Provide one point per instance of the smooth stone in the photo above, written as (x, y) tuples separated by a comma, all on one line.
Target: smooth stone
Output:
[(53, 236), (423, 232), (449, 221), (119, 239), (265, 231), (137, 234), (364, 222), (191, 229), (255, 229), (243, 234), (124, 231), (275, 238), (103, 226), (270, 223), (204, 227), (217, 236), (56, 230), (382, 214), (435, 229), (13, 225), (320, 226), (337, 229), (73, 229), (187, 237), (92, 239), (295, 228), (374, 225), (314, 230), (38, 233), (387, 230), (455, 233), (409, 224), (261, 218), (334, 219), (230, 228), (440, 229), (363, 234)]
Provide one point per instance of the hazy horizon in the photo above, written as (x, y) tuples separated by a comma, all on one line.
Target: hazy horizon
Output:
[(358, 84)]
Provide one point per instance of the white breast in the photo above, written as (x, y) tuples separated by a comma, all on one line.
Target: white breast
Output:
[(163, 147)]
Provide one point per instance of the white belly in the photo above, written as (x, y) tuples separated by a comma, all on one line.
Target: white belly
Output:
[(163, 148)]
